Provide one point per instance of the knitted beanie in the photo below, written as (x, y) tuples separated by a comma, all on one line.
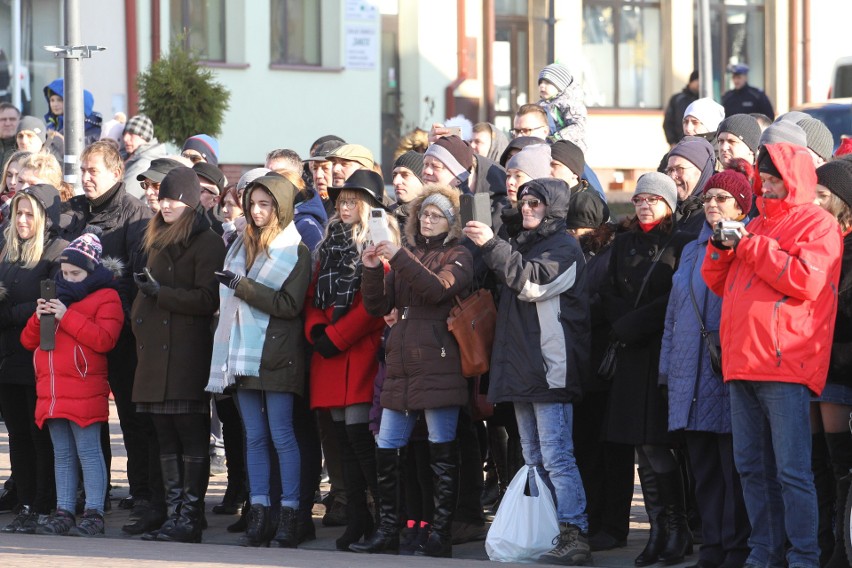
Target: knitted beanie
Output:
[(655, 183), (707, 111), (744, 127), (533, 160), (734, 183), (836, 176), (181, 184), (141, 126), (34, 125), (205, 145), (83, 252), (557, 75), (586, 210), (793, 116), (766, 165), (784, 131), (568, 153), (411, 160), (455, 154), (818, 136), (443, 203)]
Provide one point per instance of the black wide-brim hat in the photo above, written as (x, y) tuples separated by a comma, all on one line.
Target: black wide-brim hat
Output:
[(366, 182)]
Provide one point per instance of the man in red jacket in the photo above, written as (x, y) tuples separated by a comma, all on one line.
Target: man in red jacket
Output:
[(778, 284)]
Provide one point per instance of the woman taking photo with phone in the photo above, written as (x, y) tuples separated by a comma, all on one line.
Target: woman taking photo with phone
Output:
[(171, 319), (258, 352), (30, 253), (424, 279), (346, 339)]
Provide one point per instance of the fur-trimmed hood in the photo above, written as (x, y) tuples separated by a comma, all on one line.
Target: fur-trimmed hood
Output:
[(114, 265), (412, 227)]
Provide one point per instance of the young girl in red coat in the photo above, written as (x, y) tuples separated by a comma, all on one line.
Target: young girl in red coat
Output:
[(71, 380)]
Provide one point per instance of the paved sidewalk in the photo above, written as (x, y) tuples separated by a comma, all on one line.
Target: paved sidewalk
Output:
[(119, 550)]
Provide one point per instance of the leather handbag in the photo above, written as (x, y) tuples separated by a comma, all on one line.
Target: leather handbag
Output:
[(711, 338), (472, 321)]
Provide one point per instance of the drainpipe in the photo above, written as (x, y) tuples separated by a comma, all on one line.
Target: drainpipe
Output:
[(132, 56), (461, 41), (806, 48), (155, 30), (794, 53)]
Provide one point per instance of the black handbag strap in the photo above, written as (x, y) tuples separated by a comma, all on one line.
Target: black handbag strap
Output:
[(694, 302), (650, 270)]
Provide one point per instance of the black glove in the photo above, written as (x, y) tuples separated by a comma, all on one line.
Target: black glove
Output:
[(317, 330), (229, 279), (325, 347), (147, 284)]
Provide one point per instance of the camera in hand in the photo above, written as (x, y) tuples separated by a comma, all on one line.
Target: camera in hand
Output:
[(727, 231)]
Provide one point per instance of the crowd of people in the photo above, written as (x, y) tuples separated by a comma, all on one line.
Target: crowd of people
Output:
[(701, 342)]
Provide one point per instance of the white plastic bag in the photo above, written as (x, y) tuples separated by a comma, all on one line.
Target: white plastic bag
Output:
[(525, 525)]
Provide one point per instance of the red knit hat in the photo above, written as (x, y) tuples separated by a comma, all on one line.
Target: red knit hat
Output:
[(734, 183)]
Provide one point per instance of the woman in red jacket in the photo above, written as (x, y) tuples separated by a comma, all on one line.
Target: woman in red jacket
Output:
[(71, 380), (345, 339)]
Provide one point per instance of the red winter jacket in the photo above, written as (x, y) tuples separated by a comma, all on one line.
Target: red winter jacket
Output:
[(71, 380), (348, 377), (779, 286)]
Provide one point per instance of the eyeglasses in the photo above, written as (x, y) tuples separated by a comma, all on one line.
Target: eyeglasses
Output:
[(431, 217), (531, 203), (720, 199), (525, 131), (348, 203), (649, 199), (678, 170), (145, 184), (194, 158)]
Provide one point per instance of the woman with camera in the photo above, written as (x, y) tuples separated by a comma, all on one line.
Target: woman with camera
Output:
[(171, 319), (30, 253), (424, 366), (346, 339), (634, 297), (690, 368)]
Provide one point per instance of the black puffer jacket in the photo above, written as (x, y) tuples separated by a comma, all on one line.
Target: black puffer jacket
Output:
[(423, 361), (20, 287), (541, 348), (840, 371), (120, 223)]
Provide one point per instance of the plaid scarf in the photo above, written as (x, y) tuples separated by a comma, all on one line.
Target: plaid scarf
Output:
[(339, 277), (241, 333)]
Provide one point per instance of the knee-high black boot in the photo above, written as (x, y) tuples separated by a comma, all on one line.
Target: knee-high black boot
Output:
[(678, 535), (840, 451), (386, 538), (444, 459), (364, 445), (190, 520), (155, 519), (656, 518), (824, 483), (359, 520)]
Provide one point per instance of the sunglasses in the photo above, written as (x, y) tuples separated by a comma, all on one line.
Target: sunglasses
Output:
[(145, 184), (531, 203)]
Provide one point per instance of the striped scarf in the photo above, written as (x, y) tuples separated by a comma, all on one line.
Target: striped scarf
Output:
[(241, 333)]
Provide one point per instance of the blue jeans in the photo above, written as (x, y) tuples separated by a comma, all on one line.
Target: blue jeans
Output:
[(71, 442), (396, 426), (772, 451), (547, 441), (268, 418)]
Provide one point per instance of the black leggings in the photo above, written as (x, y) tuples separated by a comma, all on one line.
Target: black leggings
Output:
[(30, 448), (183, 434)]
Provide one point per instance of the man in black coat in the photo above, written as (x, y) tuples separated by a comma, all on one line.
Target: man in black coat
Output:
[(673, 118), (120, 221), (743, 98)]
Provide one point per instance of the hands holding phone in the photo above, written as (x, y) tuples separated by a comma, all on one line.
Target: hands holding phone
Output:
[(54, 308)]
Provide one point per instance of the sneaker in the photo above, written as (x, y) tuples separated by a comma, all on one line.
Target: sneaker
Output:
[(91, 524), (22, 517), (571, 548), (217, 465), (31, 523), (60, 523)]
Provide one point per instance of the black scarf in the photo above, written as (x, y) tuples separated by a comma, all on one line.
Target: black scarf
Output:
[(339, 275), (70, 292)]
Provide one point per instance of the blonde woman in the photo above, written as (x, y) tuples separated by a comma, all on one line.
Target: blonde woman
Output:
[(30, 253), (346, 339), (9, 183)]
